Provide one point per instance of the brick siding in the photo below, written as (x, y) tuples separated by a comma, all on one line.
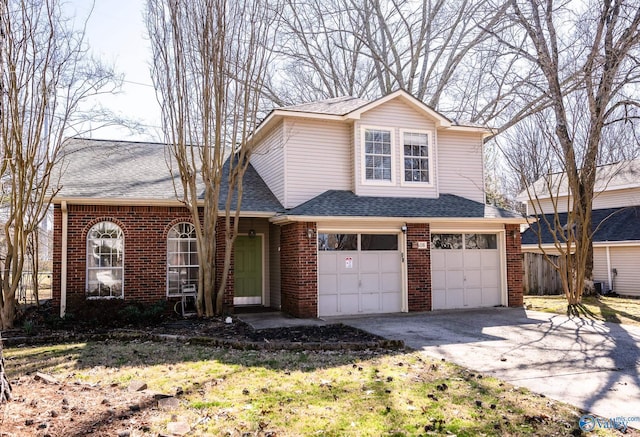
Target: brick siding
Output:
[(299, 270), (514, 265), (418, 268), (145, 231)]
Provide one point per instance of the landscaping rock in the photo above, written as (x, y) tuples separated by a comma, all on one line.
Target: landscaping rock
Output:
[(47, 379), (170, 403), (178, 428), (137, 386)]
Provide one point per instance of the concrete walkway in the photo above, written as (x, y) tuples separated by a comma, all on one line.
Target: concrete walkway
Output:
[(592, 365)]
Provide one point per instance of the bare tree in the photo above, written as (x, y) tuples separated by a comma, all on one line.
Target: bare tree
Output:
[(589, 69), (440, 51), (5, 386), (209, 65), (45, 74)]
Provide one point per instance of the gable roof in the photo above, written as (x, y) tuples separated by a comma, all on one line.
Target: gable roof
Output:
[(126, 171), (352, 108), (616, 176), (338, 203), (615, 224)]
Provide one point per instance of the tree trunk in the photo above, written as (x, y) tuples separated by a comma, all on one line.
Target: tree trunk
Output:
[(5, 386)]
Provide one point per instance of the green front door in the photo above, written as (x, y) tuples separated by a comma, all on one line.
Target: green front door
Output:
[(248, 270)]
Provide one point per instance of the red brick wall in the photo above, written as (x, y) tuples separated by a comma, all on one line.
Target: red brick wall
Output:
[(145, 245), (227, 300), (418, 268), (299, 270), (514, 265)]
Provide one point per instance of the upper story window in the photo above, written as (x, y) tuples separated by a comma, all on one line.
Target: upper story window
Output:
[(182, 259), (377, 155), (105, 261), (416, 157)]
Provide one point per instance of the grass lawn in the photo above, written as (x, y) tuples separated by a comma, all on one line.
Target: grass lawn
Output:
[(609, 309), (283, 393)]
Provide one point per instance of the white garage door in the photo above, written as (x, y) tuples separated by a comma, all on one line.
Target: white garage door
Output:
[(465, 271), (359, 274)]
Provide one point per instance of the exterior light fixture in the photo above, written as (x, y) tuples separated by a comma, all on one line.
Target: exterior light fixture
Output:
[(310, 233), (252, 233)]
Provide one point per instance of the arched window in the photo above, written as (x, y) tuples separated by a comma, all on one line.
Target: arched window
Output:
[(105, 261), (182, 259)]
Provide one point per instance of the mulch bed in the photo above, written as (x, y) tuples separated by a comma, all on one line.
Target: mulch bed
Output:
[(216, 332)]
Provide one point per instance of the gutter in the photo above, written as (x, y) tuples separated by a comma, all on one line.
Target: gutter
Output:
[(286, 219), (63, 261)]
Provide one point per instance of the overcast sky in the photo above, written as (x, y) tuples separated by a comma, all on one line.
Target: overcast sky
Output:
[(117, 34)]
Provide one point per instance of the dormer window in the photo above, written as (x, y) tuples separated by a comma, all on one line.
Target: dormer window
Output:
[(377, 155), (416, 157)]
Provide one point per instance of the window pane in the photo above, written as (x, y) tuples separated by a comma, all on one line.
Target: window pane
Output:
[(446, 241), (416, 153), (377, 154), (480, 241), (379, 242), (182, 258), (337, 242)]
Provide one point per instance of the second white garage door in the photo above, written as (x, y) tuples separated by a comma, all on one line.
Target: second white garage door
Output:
[(465, 270), (359, 274)]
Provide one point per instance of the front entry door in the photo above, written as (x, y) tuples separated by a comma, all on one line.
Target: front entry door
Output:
[(248, 270)]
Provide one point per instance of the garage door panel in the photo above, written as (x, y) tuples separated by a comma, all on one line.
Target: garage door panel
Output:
[(439, 299), (472, 259), (348, 283), (455, 279), (369, 262), (455, 298), (348, 303), (491, 296), (473, 278), (391, 302), (473, 297), (369, 282), (370, 302), (454, 259), (328, 283), (328, 305), (327, 263), (490, 278), (391, 282), (389, 261), (490, 258)]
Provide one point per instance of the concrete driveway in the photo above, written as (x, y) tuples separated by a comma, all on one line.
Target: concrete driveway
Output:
[(592, 365)]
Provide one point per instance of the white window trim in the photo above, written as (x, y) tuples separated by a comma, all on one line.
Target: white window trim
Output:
[(87, 268), (363, 155), (431, 157), (168, 293)]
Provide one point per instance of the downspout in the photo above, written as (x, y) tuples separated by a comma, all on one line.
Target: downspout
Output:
[(609, 269), (63, 261)]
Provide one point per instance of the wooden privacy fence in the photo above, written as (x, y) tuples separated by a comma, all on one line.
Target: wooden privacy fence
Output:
[(539, 275)]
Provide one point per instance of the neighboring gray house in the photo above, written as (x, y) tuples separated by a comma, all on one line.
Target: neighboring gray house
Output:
[(616, 220)]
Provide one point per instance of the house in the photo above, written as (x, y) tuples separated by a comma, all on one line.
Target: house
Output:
[(350, 207), (615, 220)]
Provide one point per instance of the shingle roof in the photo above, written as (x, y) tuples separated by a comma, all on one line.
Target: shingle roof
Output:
[(347, 204), (103, 169), (616, 224), (335, 106)]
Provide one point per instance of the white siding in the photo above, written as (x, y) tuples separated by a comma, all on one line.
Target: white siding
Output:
[(602, 200), (394, 115), (617, 198), (625, 260), (600, 270), (318, 158), (460, 165), (268, 160)]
